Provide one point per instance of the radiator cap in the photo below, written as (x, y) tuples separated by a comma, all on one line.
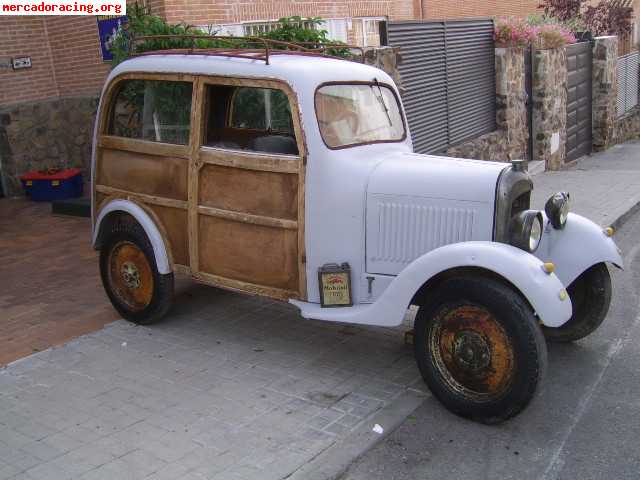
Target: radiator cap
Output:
[(520, 165)]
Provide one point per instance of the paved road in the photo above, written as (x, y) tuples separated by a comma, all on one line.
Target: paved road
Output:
[(585, 425), (603, 186)]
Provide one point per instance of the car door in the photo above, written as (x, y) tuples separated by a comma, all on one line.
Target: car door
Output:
[(246, 189)]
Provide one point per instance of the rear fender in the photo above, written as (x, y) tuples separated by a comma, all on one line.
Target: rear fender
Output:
[(143, 218)]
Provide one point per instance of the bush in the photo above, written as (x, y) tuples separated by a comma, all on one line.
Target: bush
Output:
[(608, 17), (537, 31), (553, 36), (563, 10), (513, 32), (141, 23)]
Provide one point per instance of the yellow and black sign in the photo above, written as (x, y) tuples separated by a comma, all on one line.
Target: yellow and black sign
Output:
[(335, 285)]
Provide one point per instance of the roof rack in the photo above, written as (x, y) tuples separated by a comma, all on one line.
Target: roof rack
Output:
[(254, 48)]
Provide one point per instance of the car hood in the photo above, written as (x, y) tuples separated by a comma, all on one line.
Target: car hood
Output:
[(412, 174), (417, 203)]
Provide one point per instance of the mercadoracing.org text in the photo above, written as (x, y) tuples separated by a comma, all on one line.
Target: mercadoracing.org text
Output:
[(63, 7)]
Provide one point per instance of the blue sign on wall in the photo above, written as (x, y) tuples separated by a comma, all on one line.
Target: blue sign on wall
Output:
[(108, 28)]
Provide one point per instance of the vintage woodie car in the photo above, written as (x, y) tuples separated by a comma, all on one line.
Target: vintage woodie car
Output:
[(292, 176)]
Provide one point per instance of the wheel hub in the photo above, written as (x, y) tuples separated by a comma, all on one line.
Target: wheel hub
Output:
[(130, 275), (471, 352)]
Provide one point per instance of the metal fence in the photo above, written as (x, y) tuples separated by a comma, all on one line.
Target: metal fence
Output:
[(448, 70), (628, 82)]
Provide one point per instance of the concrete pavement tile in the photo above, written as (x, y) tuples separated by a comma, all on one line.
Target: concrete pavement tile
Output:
[(137, 435), (48, 471), (171, 471), (13, 438), (171, 447), (42, 450), (7, 471), (20, 460)]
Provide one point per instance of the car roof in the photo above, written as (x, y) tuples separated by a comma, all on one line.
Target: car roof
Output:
[(302, 72)]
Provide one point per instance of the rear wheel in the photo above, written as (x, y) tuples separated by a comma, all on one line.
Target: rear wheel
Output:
[(130, 275), (479, 348), (590, 295)]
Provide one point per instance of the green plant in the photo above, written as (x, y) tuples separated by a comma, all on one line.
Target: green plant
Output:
[(553, 36), (141, 23)]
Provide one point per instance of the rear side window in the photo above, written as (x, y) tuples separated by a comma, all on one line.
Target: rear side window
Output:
[(261, 109), (250, 118), (153, 110)]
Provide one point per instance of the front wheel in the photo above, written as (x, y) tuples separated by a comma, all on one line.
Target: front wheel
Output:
[(479, 348), (590, 296)]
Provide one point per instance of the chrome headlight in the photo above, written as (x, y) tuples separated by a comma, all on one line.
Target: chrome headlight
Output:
[(557, 209), (525, 230)]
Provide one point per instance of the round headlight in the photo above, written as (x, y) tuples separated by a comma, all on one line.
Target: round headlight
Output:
[(535, 234), (525, 230), (557, 209)]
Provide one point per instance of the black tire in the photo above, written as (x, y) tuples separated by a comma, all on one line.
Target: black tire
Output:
[(479, 348), (590, 295), (148, 300)]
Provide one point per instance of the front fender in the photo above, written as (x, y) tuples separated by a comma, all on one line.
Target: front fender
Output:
[(523, 270), (577, 247)]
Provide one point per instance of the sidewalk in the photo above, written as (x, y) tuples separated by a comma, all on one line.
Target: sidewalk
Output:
[(604, 187), (227, 387)]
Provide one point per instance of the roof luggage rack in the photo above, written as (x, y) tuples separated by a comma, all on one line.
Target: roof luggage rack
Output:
[(253, 48)]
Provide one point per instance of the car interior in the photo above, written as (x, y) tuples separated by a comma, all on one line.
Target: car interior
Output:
[(249, 118)]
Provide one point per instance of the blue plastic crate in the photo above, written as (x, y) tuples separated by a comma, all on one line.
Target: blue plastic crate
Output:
[(42, 187)]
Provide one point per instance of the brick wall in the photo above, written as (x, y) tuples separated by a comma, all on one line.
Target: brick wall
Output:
[(478, 8), (26, 36), (233, 11), (65, 54), (76, 55)]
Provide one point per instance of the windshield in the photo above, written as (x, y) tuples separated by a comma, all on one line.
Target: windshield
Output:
[(354, 114)]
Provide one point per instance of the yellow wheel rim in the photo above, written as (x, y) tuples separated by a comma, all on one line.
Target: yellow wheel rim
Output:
[(472, 352), (130, 275)]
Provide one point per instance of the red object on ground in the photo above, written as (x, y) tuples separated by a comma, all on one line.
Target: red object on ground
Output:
[(65, 174)]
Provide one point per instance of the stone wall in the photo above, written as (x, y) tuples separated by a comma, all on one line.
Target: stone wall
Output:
[(509, 141), (627, 127), (550, 107), (604, 91), (386, 59), (39, 135)]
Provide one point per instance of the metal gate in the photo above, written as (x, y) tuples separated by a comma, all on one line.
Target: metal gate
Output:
[(528, 84), (579, 140), (448, 70)]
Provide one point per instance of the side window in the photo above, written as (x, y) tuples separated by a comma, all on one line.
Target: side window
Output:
[(250, 118), (154, 110)]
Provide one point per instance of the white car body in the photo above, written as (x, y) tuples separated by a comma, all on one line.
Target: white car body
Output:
[(398, 218)]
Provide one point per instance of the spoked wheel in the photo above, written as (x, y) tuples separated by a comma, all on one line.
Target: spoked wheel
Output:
[(130, 275), (479, 348), (590, 295)]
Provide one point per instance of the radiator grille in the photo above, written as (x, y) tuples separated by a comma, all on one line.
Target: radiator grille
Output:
[(408, 231)]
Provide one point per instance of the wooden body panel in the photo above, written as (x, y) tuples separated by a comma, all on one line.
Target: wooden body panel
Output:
[(249, 253), (270, 194), (230, 218), (154, 175)]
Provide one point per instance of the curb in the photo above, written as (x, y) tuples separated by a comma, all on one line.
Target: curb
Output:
[(332, 463), (626, 216)]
